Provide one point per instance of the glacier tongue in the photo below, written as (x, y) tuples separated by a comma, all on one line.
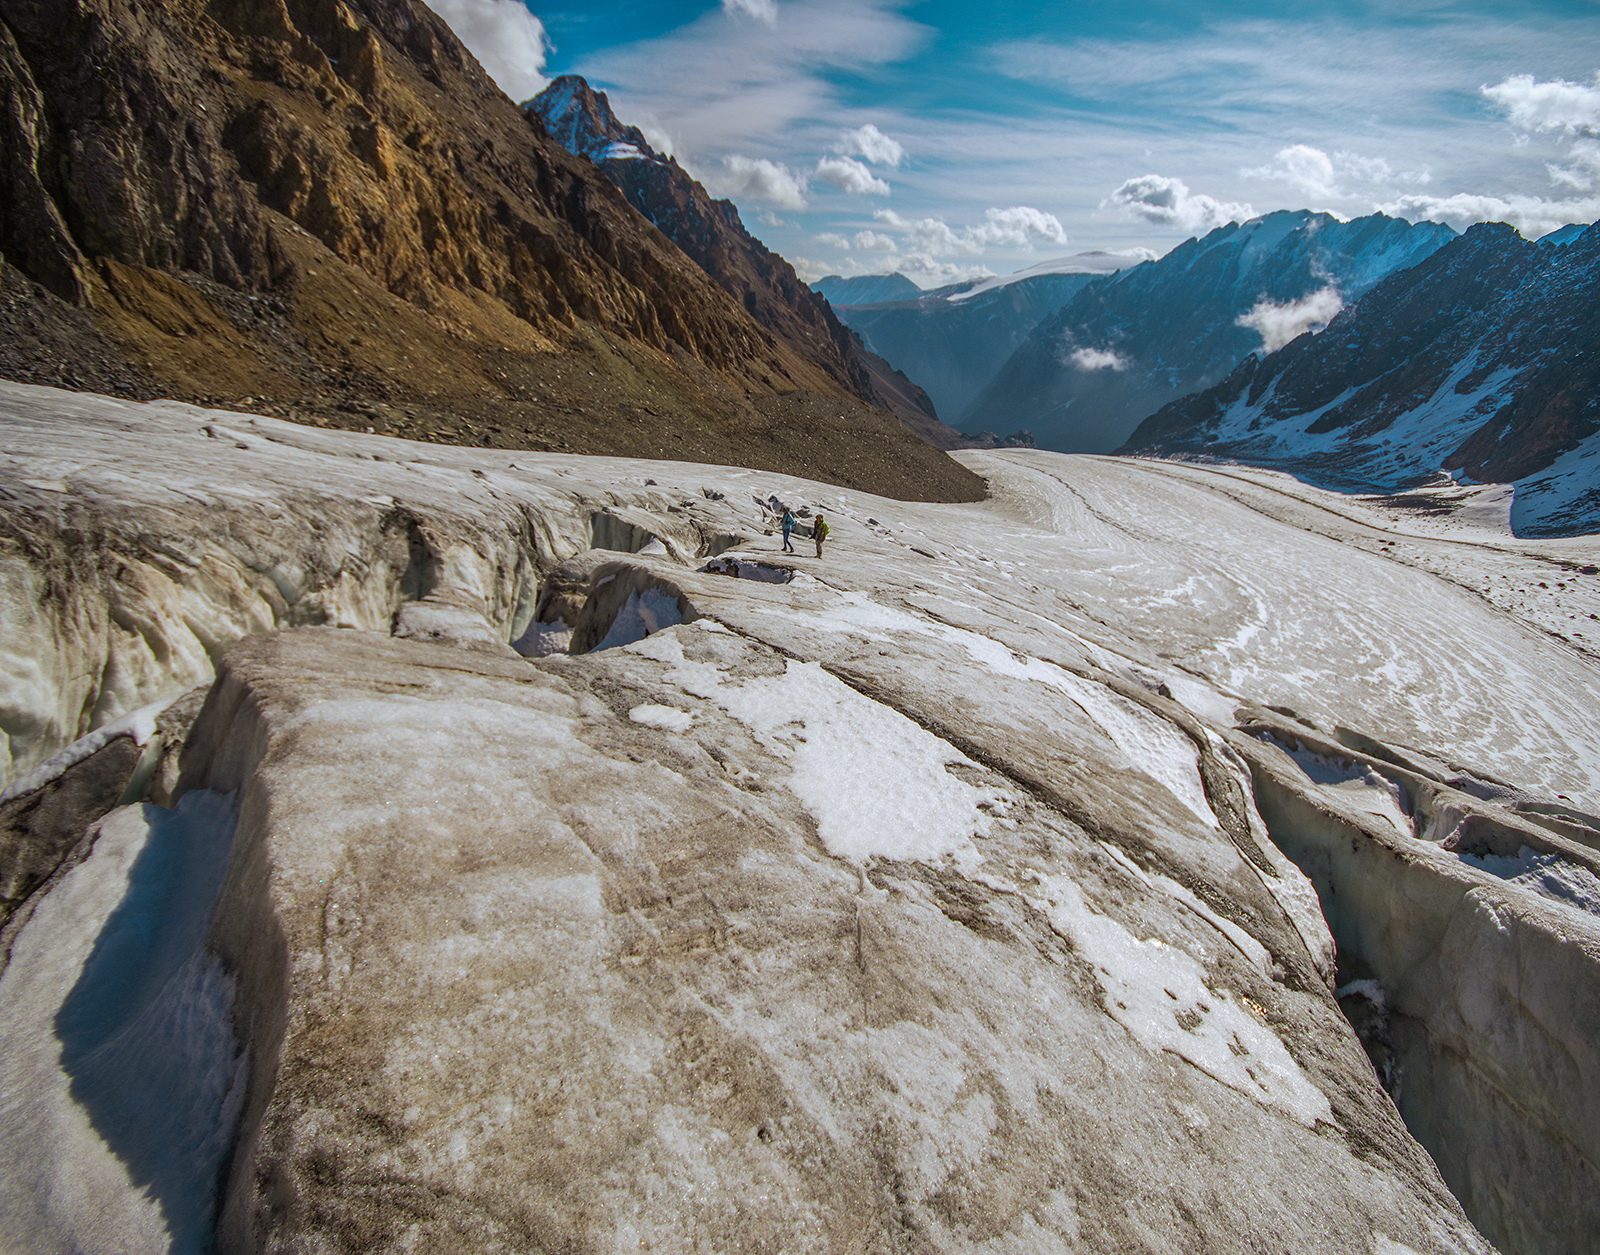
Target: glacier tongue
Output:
[(930, 898)]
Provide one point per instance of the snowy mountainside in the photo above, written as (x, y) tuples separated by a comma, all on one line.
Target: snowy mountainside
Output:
[(1096, 262), (952, 339), (513, 766), (1129, 343), (713, 235), (1484, 361), (865, 289)]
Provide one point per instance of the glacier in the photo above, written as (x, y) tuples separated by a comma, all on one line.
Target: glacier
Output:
[(985, 885)]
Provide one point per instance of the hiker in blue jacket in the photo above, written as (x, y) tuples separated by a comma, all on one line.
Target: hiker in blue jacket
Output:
[(787, 523)]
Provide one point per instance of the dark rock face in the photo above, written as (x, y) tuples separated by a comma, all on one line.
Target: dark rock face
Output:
[(1129, 343), (1485, 358), (711, 232), (327, 210), (952, 347)]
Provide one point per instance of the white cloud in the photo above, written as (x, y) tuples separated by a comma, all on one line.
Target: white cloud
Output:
[(1301, 166), (1278, 324), (508, 41), (1318, 175), (1016, 227), (874, 242), (869, 142), (832, 240), (759, 179), (762, 10), (1097, 359), (1566, 108), (1532, 215), (850, 177), (1169, 202)]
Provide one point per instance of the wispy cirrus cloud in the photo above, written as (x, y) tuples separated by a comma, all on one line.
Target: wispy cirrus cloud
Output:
[(726, 83), (762, 10)]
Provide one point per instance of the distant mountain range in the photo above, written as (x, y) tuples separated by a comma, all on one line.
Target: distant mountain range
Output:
[(951, 339), (711, 232), (1484, 359), (866, 289), (1125, 345)]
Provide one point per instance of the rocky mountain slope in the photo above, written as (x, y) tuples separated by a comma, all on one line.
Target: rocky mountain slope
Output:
[(1483, 360), (327, 206), (1128, 344), (549, 849), (711, 232)]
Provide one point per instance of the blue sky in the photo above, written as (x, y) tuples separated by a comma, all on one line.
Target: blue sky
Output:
[(947, 139)]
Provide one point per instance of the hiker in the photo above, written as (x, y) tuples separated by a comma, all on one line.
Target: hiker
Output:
[(787, 523), (819, 532)]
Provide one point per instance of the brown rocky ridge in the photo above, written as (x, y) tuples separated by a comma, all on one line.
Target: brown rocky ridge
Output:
[(712, 233), (327, 211)]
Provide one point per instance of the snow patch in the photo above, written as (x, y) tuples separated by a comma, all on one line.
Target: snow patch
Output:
[(876, 783), (667, 718), (1158, 993), (1549, 875)]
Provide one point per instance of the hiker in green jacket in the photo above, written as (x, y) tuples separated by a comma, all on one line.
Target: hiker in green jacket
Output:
[(819, 532)]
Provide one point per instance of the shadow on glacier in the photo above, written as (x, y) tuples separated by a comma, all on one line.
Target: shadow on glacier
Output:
[(147, 1033)]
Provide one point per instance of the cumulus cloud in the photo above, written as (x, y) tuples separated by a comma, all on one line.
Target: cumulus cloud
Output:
[(850, 177), (1278, 324), (832, 240), (1319, 175), (762, 10), (874, 242), (1097, 359), (1570, 111), (1300, 165), (1019, 226), (760, 179), (508, 41), (871, 143), (1566, 108), (1168, 202)]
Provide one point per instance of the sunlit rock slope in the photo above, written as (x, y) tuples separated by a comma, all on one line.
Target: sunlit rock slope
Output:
[(555, 863)]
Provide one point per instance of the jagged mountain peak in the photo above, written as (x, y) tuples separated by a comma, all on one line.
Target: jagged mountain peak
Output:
[(582, 121)]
